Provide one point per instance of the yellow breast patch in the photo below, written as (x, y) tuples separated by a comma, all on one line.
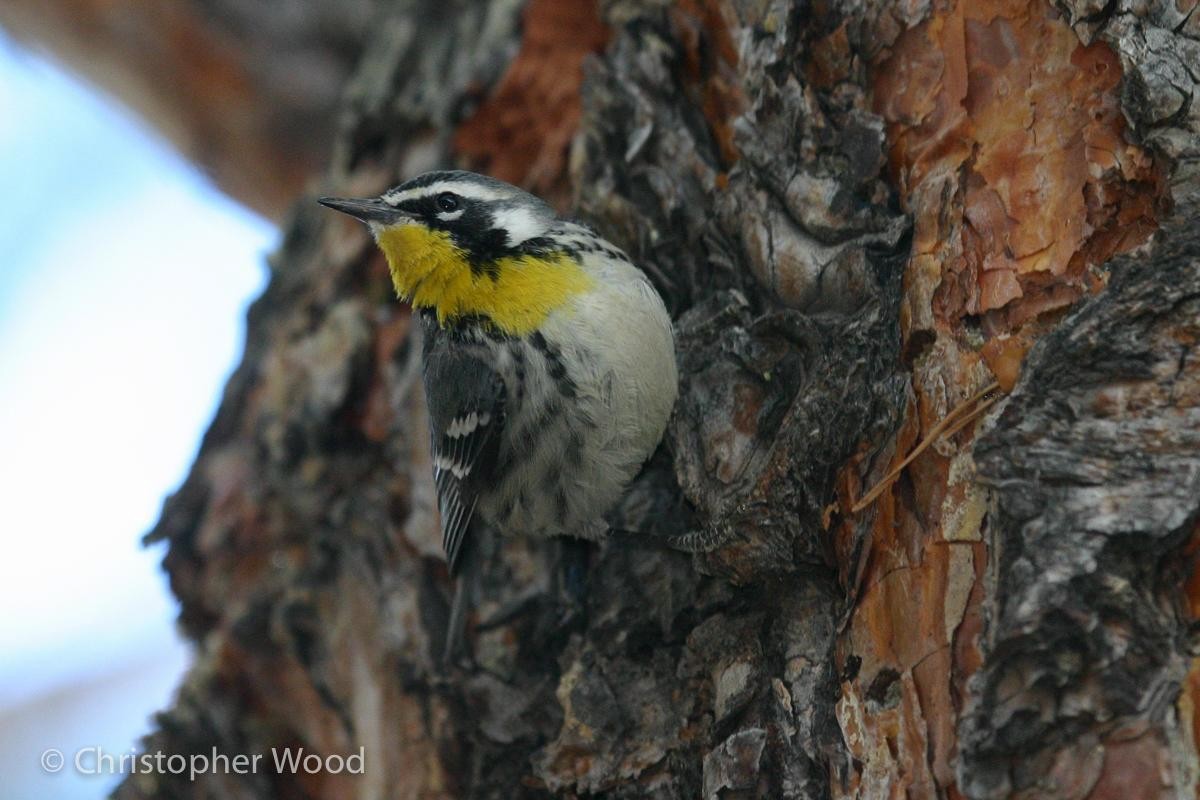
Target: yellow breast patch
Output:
[(430, 271)]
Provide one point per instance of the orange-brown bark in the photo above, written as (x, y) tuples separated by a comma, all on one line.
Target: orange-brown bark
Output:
[(522, 130), (1008, 146), (997, 111)]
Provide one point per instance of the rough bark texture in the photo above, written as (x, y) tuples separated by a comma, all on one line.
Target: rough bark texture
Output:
[(1094, 471), (860, 214)]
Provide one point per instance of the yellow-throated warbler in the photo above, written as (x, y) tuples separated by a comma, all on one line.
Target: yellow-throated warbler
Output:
[(549, 358)]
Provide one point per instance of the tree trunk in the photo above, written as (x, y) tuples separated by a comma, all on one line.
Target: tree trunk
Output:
[(861, 215)]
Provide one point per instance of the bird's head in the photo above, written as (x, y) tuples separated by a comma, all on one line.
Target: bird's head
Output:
[(466, 245)]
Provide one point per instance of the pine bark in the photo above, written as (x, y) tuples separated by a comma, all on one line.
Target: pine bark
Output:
[(861, 215)]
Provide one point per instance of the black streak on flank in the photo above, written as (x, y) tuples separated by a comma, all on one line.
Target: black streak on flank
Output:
[(518, 358), (554, 365), (574, 452)]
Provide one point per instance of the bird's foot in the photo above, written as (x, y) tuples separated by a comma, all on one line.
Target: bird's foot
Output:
[(571, 583)]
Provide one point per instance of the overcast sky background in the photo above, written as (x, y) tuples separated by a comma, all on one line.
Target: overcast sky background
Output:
[(123, 286)]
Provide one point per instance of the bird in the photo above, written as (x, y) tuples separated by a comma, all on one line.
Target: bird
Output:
[(548, 359)]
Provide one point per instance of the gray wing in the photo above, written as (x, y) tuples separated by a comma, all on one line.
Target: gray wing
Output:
[(466, 413)]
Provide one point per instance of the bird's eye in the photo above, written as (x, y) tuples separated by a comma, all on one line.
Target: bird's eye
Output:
[(447, 201)]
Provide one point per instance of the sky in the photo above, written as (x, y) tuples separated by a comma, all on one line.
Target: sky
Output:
[(124, 280)]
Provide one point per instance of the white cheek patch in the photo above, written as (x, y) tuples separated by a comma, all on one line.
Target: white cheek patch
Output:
[(519, 224)]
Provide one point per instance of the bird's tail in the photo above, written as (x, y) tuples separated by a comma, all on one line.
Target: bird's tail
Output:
[(464, 596)]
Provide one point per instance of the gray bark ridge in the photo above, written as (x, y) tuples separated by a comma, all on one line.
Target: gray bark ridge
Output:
[(1094, 465)]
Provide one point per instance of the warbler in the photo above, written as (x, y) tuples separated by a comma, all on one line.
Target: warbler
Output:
[(549, 357)]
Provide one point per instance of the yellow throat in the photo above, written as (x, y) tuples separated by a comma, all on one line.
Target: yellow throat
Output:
[(430, 271)]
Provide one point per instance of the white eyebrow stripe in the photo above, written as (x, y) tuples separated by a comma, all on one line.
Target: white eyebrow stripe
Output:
[(469, 190)]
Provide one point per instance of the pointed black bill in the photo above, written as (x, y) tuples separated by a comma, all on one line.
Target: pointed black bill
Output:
[(370, 210)]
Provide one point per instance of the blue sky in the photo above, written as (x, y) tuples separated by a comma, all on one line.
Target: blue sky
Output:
[(123, 286)]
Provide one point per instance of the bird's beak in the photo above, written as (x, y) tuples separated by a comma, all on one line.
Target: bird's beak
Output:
[(370, 210)]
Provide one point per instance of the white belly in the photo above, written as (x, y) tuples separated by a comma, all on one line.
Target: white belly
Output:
[(574, 455)]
